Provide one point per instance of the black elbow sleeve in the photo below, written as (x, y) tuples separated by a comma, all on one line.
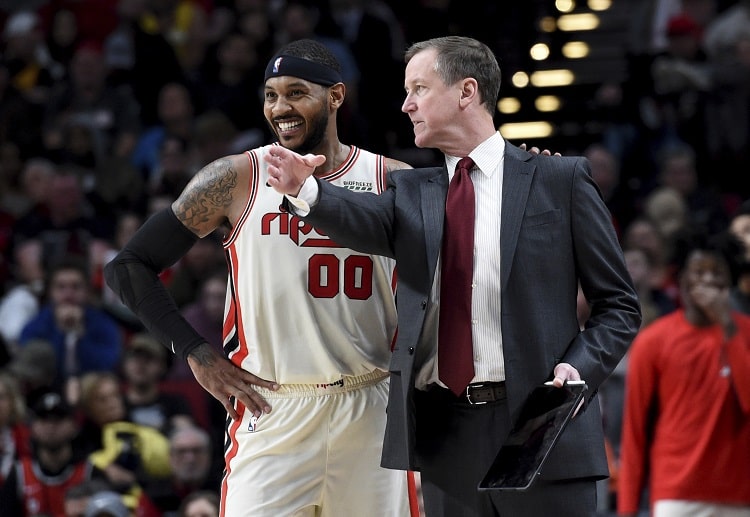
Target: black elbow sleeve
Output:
[(134, 276)]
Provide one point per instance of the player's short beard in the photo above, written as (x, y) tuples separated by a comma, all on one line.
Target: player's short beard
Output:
[(317, 127)]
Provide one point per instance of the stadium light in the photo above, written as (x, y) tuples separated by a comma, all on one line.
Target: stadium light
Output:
[(526, 130), (578, 22)]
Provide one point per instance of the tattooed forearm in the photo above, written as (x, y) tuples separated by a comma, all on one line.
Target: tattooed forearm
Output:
[(203, 355), (208, 195)]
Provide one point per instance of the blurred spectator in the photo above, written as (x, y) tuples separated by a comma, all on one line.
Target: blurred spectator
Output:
[(727, 42), (174, 170), (191, 459), (110, 183), (654, 302), (20, 119), (94, 18), (205, 257), (184, 24), (32, 70), (38, 483), (214, 136), (127, 224), (203, 503), (739, 226), (14, 433), (682, 82), (131, 455), (605, 170), (234, 86), (678, 170), (252, 18), (145, 364), (77, 497), (106, 504), (176, 116), (206, 315), (62, 38), (376, 39), (299, 19), (140, 60), (34, 367), (687, 408), (21, 303), (84, 338), (36, 184), (668, 210), (24, 190), (644, 234), (10, 171), (66, 224), (112, 112), (726, 29)]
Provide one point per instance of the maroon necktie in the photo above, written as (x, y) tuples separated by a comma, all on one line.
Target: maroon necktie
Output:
[(455, 350)]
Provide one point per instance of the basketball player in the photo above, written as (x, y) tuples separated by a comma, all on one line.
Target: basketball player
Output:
[(325, 373)]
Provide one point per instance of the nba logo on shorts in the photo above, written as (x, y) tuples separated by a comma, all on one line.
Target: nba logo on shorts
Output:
[(277, 64), (252, 424)]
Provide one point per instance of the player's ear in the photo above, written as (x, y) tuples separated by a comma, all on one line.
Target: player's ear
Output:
[(336, 95)]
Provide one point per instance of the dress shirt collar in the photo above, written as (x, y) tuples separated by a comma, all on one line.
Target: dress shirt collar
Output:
[(487, 156)]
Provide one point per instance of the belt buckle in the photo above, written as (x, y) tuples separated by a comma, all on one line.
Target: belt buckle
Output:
[(468, 395)]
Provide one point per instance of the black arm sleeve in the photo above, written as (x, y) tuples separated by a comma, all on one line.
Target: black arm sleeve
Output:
[(134, 275)]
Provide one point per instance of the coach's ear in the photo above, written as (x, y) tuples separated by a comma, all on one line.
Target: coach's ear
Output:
[(336, 95)]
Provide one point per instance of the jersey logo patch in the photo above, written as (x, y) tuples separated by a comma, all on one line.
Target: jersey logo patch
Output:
[(358, 186)]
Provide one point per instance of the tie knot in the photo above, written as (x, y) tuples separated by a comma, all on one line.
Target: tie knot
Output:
[(465, 164)]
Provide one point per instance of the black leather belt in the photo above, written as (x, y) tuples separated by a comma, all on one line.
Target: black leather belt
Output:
[(475, 394), (483, 392)]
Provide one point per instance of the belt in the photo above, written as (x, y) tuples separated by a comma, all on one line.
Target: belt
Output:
[(483, 392), (474, 394)]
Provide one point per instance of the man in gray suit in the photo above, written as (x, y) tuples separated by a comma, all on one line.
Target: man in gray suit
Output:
[(541, 229)]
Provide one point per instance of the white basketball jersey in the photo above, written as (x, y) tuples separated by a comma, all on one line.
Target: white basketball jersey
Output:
[(301, 309)]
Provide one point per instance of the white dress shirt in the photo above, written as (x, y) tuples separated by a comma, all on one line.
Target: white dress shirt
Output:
[(487, 176)]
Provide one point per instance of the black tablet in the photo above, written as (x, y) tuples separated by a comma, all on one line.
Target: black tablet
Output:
[(542, 419)]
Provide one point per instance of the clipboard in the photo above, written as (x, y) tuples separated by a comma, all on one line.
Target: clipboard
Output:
[(542, 419)]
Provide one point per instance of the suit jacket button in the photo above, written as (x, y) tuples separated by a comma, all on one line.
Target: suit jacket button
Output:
[(424, 304), (411, 350)]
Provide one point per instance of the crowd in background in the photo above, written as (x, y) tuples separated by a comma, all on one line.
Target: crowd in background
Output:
[(108, 107)]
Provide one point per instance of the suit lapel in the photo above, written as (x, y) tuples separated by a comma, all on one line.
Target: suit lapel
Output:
[(433, 193), (517, 176)]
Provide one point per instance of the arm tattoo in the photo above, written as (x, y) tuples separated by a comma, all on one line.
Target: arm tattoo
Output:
[(209, 193), (202, 354)]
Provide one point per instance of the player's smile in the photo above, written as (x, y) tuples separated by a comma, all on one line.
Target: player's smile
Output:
[(287, 128)]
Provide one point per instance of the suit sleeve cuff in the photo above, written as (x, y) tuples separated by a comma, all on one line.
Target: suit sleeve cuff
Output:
[(307, 197)]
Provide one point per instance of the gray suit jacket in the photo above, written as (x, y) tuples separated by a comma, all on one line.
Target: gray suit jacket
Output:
[(555, 233)]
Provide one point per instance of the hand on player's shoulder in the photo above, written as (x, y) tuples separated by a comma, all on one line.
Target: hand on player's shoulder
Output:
[(535, 150), (395, 165)]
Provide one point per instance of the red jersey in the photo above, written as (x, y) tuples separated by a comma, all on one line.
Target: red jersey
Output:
[(686, 424), (43, 494)]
